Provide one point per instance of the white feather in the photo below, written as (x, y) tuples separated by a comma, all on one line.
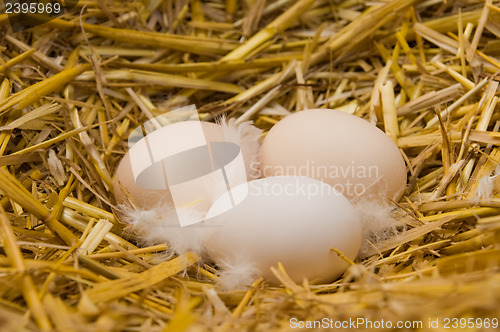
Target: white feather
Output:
[(236, 274), (160, 225), (379, 222), (486, 186), (246, 136)]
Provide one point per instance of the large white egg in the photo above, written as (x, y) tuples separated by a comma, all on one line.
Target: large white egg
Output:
[(340, 149), (172, 139), (292, 220), (185, 165)]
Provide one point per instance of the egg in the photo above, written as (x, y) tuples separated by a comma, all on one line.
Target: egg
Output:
[(343, 150), (185, 165), (287, 219)]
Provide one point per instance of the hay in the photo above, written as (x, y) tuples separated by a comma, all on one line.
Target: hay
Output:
[(426, 72)]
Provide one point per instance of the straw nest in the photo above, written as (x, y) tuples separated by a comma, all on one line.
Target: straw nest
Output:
[(73, 88)]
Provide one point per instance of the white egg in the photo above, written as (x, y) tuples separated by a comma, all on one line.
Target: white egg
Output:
[(150, 151), (341, 149), (185, 166), (292, 220)]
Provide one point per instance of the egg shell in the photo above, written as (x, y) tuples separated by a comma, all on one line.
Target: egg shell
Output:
[(172, 139), (340, 149), (292, 220)]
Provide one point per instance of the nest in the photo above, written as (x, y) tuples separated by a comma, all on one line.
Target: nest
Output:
[(72, 89)]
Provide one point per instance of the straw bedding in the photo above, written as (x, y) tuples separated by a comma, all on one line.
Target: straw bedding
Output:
[(426, 72)]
